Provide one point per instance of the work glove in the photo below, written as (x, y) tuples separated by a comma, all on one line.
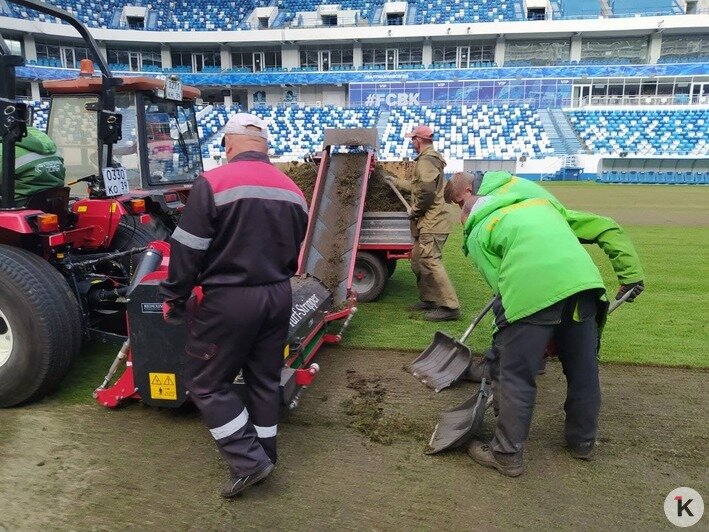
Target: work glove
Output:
[(390, 179), (637, 288), (173, 314)]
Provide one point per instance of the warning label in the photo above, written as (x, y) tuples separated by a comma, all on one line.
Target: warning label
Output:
[(162, 386)]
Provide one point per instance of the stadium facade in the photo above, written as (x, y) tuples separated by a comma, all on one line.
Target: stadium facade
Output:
[(611, 90)]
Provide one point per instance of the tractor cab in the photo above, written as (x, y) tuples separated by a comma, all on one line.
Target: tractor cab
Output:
[(158, 155)]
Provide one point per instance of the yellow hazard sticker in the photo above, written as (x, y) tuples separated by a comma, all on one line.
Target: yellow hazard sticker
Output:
[(114, 206), (162, 386), (82, 208)]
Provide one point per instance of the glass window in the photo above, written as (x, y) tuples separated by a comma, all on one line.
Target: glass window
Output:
[(172, 143), (126, 152), (685, 47), (374, 57), (74, 130), (547, 52), (15, 46), (631, 50)]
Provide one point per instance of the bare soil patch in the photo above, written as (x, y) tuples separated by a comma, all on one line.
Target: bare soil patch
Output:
[(351, 457)]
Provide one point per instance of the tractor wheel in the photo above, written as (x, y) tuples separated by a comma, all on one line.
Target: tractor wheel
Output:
[(158, 228), (40, 327), (370, 276), (130, 236), (391, 267)]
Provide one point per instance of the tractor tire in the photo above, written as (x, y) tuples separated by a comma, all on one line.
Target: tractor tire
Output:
[(370, 276), (391, 267), (159, 229), (130, 236), (40, 327)]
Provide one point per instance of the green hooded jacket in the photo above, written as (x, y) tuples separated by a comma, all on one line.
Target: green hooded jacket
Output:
[(589, 228), (37, 165), (528, 254)]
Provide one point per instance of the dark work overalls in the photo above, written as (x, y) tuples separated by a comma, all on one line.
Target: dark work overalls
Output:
[(518, 354), (239, 238)]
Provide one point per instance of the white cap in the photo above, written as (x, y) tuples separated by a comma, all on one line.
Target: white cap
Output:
[(244, 124)]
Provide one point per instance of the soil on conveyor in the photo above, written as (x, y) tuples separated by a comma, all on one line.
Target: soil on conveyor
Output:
[(338, 212), (351, 457), (379, 198)]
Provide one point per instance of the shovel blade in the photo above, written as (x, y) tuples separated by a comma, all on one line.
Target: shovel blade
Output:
[(442, 363), (459, 424)]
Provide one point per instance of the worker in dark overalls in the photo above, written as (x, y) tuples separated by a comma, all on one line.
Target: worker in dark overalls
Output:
[(239, 239)]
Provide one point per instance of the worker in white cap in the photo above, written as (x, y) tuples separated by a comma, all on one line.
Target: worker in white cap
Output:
[(239, 239)]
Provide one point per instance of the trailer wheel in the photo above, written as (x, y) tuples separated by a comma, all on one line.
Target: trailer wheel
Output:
[(391, 267), (370, 276), (39, 317)]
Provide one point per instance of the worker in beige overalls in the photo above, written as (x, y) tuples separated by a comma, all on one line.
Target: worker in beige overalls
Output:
[(430, 225)]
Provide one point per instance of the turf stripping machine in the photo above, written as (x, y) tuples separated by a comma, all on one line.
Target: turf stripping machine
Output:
[(323, 299)]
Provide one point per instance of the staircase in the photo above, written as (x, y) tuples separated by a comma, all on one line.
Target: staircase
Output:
[(381, 125), (563, 138), (568, 133)]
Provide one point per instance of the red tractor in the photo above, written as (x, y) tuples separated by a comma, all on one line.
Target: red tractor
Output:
[(64, 267)]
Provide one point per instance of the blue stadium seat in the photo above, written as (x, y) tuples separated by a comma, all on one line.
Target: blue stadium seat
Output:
[(643, 132)]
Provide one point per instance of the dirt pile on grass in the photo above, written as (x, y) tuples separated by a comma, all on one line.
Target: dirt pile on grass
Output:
[(365, 412)]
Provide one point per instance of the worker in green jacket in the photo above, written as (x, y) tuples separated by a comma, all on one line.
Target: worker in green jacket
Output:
[(589, 228), (37, 165), (548, 288)]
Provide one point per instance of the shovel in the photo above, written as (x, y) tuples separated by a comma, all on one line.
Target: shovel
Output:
[(446, 359), (459, 424), (398, 194)]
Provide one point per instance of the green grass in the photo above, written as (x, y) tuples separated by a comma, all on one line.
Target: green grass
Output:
[(666, 326), (87, 374)]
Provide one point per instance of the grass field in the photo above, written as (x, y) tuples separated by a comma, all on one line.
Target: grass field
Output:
[(666, 326)]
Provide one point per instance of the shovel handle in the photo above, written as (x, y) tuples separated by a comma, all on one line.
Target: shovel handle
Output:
[(477, 320), (398, 194), (618, 302)]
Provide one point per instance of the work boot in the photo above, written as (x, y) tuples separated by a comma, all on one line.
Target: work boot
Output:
[(421, 306), (582, 451), (443, 314), (510, 465), (237, 484)]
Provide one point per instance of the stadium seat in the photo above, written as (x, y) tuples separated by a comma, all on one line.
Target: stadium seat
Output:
[(643, 132)]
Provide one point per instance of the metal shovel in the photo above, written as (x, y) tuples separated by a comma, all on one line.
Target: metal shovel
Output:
[(459, 424), (446, 359)]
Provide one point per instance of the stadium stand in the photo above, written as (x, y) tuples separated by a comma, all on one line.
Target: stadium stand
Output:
[(41, 114), (655, 178), (644, 132), (231, 15), (470, 131), (443, 11), (295, 131)]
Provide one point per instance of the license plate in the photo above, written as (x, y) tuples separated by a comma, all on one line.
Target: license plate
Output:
[(173, 89), (115, 181)]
